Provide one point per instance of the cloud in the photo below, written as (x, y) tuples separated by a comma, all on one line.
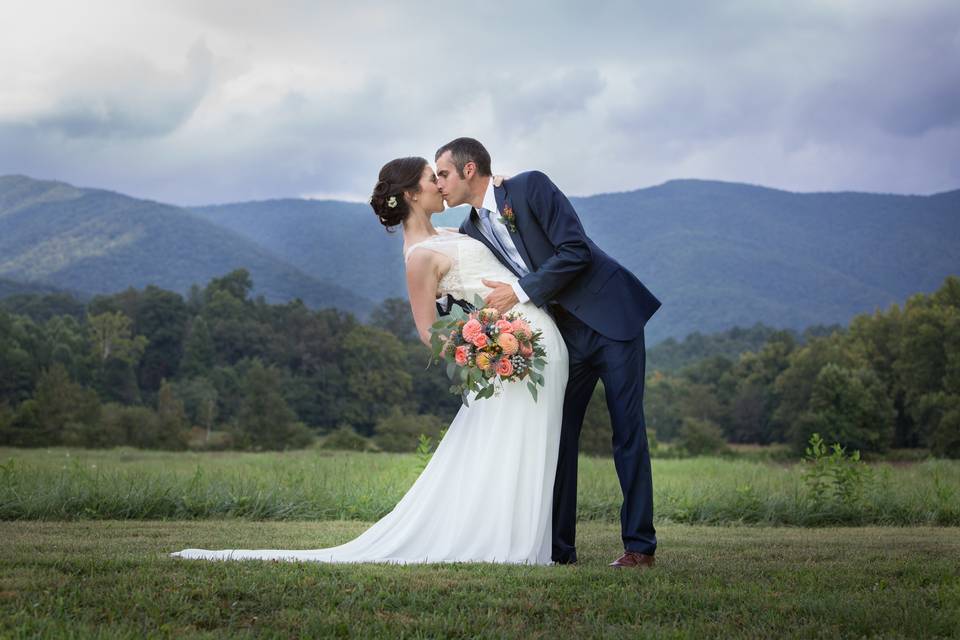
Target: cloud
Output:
[(905, 81), (119, 95), (226, 101), (524, 102)]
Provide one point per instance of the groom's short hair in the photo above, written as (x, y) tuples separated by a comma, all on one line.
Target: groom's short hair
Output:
[(464, 150)]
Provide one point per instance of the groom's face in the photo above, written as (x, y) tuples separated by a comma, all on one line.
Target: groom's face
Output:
[(455, 189)]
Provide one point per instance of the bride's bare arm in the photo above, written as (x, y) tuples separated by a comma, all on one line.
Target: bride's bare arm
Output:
[(424, 270)]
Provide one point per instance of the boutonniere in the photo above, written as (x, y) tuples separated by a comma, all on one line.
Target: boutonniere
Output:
[(509, 218)]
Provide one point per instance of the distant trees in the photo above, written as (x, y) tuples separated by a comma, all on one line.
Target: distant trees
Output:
[(18, 367), (149, 368), (393, 315), (849, 406), (892, 379), (116, 353), (264, 420), (373, 376), (673, 355), (60, 412)]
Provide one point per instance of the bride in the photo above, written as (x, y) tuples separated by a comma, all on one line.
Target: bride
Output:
[(487, 493)]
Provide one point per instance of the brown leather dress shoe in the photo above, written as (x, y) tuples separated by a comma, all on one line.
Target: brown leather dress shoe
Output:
[(634, 559)]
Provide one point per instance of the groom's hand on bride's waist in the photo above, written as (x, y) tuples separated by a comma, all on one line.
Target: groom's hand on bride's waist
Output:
[(502, 297)]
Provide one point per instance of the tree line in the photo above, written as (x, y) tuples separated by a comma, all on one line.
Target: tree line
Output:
[(891, 379), (219, 369), (153, 368)]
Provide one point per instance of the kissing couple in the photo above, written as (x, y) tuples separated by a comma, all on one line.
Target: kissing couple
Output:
[(502, 483)]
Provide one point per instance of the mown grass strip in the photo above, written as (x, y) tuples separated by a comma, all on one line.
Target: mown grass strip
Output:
[(114, 579)]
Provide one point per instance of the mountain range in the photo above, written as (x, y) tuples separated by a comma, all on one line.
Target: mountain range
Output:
[(97, 241), (717, 254), (14, 288)]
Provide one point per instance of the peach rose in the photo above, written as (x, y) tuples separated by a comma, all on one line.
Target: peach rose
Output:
[(504, 326), (508, 343), (504, 368), (480, 341), (471, 330), (461, 354), (526, 350), (521, 325)]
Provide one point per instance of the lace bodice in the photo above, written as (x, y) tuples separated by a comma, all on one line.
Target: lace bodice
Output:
[(471, 261)]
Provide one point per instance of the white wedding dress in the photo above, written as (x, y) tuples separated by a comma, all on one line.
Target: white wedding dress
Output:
[(487, 493)]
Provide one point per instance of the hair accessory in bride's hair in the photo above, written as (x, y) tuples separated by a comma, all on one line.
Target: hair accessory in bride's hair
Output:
[(392, 202)]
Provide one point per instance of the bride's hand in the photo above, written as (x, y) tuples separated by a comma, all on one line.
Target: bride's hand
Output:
[(498, 180)]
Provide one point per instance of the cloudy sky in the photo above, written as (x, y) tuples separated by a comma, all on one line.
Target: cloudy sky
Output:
[(204, 101)]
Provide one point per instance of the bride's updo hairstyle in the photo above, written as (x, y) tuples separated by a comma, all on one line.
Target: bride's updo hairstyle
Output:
[(397, 176)]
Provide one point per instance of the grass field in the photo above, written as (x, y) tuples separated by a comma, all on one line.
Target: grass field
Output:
[(86, 579), (87, 533), (65, 484)]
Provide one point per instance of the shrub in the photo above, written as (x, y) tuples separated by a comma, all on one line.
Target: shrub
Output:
[(698, 437), (200, 439), (399, 431), (344, 438), (299, 436), (834, 477), (135, 426)]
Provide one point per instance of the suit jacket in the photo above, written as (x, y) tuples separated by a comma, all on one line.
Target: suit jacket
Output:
[(565, 266)]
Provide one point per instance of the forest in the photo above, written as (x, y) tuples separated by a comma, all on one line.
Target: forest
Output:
[(219, 369)]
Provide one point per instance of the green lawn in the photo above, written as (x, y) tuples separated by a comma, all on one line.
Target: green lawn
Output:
[(87, 533), (124, 483), (113, 579)]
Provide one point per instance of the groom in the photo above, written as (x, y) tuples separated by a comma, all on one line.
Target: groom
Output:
[(600, 309)]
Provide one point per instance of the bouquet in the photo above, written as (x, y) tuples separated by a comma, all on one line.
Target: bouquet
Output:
[(484, 349)]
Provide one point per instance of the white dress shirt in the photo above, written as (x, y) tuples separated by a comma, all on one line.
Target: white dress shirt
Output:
[(503, 235)]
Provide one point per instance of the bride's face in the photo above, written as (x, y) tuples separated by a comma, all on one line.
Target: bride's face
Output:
[(430, 199)]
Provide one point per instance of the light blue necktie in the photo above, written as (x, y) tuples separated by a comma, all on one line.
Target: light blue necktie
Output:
[(501, 244)]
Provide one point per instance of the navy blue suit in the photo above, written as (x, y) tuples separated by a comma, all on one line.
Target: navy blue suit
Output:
[(600, 309)]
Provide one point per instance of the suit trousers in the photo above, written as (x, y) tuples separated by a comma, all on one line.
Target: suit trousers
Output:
[(621, 365)]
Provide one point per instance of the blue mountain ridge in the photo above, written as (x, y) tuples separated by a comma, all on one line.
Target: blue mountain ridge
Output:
[(718, 254)]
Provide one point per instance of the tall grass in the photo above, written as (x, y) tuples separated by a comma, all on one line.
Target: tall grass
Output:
[(124, 483)]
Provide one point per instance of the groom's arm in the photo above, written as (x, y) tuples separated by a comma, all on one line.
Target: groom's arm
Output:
[(560, 223)]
